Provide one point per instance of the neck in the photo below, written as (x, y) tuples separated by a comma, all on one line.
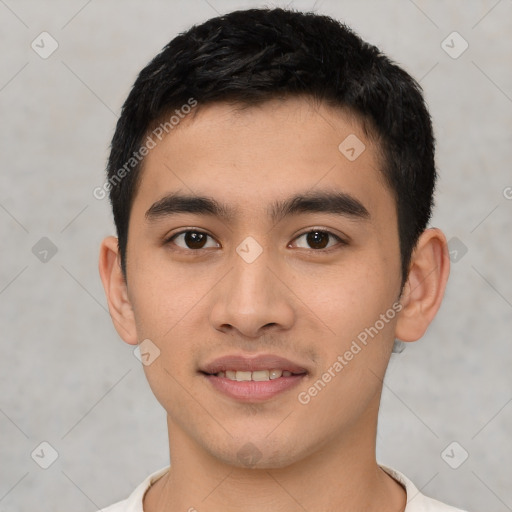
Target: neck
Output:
[(342, 474)]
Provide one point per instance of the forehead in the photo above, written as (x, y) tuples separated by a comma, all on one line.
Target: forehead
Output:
[(250, 156)]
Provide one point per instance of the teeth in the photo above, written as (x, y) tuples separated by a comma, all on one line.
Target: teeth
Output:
[(259, 375), (241, 376)]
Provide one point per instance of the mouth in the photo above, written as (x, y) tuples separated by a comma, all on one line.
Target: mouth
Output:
[(253, 379), (256, 376)]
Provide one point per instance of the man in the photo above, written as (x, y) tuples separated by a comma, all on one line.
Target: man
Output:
[(271, 177)]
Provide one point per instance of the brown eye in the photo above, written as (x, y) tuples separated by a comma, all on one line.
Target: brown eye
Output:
[(190, 239), (318, 239)]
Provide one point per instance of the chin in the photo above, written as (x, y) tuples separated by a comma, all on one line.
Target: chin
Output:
[(261, 453)]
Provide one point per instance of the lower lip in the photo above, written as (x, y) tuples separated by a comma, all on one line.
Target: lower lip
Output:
[(251, 390)]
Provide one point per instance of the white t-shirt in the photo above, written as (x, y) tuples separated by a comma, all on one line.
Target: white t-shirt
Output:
[(416, 502)]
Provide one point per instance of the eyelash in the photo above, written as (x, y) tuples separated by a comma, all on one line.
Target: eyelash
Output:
[(341, 242)]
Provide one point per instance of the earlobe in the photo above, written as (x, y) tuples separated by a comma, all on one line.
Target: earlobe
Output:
[(425, 286), (116, 291)]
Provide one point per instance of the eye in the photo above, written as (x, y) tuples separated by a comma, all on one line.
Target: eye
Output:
[(318, 239), (191, 239)]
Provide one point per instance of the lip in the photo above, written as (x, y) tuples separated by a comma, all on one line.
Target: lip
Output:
[(253, 391), (252, 364)]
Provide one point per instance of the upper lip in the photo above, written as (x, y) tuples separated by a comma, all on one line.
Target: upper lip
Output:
[(254, 363)]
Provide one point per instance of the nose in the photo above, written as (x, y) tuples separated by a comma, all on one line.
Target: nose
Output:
[(252, 299)]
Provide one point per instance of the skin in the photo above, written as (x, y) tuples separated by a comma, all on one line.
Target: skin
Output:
[(295, 300)]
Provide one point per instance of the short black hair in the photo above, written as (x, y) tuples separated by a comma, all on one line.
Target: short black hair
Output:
[(247, 57)]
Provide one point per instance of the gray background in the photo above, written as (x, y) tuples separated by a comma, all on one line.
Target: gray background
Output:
[(67, 379)]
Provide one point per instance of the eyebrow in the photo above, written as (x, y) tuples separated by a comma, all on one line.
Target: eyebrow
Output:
[(337, 203)]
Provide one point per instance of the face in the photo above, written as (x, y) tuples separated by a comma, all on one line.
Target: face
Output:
[(250, 271)]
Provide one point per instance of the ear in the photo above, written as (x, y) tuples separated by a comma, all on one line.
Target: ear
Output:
[(425, 286), (116, 290)]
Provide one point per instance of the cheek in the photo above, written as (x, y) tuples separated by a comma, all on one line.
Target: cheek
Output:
[(355, 348), (164, 310), (355, 305), (162, 296), (166, 301), (352, 297)]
